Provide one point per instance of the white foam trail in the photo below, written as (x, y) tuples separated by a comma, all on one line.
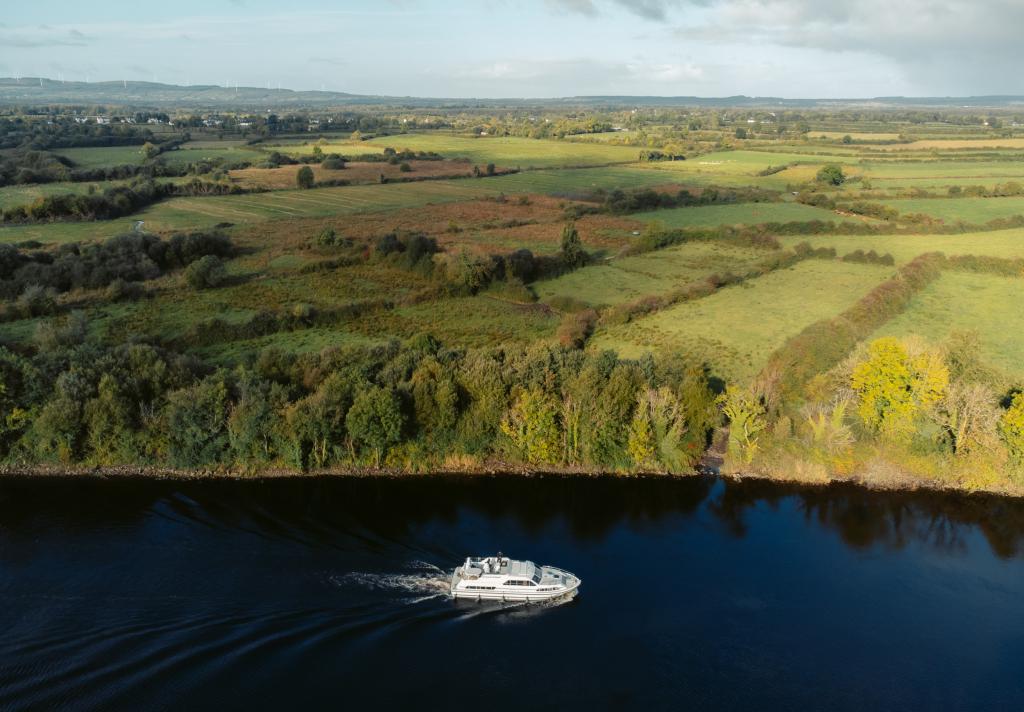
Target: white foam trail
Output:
[(434, 582)]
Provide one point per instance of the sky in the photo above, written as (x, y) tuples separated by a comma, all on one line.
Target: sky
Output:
[(530, 48)]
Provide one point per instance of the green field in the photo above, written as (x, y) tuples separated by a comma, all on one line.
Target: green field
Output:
[(733, 330), (228, 153), (974, 211), (103, 157), (57, 232), (737, 328), (739, 214), (14, 195), (194, 212), (995, 243), (992, 307), (507, 151), (625, 279)]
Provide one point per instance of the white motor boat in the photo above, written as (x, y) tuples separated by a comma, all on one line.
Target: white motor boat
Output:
[(499, 578)]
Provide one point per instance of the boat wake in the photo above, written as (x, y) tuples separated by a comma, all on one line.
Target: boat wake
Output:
[(421, 580)]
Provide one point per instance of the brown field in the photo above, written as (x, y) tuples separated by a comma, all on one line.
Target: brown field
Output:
[(479, 225), (940, 143), (283, 178)]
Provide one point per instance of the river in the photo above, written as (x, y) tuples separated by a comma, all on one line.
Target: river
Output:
[(697, 593)]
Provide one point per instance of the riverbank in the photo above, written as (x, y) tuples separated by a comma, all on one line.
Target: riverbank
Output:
[(881, 477)]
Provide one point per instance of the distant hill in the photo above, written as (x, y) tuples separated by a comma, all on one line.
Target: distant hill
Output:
[(36, 90)]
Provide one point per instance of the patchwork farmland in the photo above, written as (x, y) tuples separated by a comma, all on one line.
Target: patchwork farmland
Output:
[(654, 243)]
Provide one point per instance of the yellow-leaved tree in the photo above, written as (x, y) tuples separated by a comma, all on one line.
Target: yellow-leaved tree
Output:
[(1011, 427), (532, 427), (747, 418), (896, 387)]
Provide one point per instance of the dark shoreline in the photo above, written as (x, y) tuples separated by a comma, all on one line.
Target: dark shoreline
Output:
[(502, 470)]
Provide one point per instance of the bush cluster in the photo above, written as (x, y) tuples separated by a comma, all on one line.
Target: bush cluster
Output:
[(409, 406), (133, 257)]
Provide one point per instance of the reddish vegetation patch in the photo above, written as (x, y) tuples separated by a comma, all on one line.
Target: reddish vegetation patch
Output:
[(283, 178), (479, 225), (439, 219), (600, 233)]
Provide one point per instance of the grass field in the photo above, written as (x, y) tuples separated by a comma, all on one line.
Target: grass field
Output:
[(104, 156), (505, 151), (227, 152), (733, 330), (854, 135), (466, 321), (295, 342), (992, 307), (13, 195), (974, 211), (512, 151), (737, 328), (739, 214), (956, 144), (625, 279), (994, 243), (183, 213), (950, 170), (57, 232), (746, 163)]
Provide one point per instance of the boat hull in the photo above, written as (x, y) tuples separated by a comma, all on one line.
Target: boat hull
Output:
[(515, 597)]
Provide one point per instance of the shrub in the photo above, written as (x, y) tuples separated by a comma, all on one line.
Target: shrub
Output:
[(576, 328), (205, 273), (123, 291), (36, 300), (304, 178), (1011, 427), (895, 388), (405, 168), (333, 163), (831, 174)]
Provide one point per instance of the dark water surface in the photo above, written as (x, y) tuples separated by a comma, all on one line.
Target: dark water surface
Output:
[(331, 593)]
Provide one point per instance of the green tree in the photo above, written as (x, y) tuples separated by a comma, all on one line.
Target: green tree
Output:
[(205, 272), (831, 174), (532, 427), (18, 378), (741, 133), (375, 421), (149, 150), (435, 400), (641, 443), (316, 424), (305, 178), (111, 424), (572, 247), (256, 425), (196, 423)]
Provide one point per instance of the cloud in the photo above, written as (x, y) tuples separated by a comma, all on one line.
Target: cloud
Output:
[(973, 44), (42, 37), (585, 76), (647, 9)]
